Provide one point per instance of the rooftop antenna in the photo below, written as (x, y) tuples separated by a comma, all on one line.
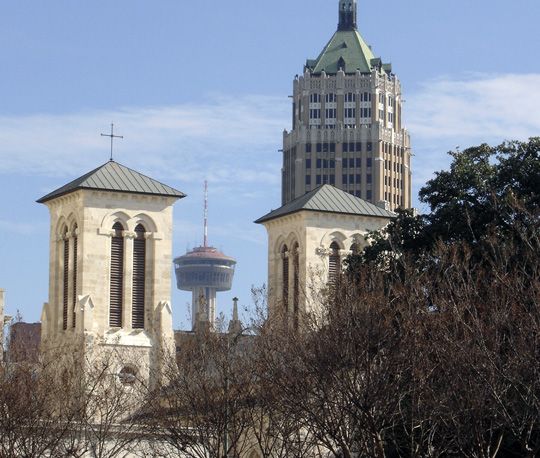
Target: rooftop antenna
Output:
[(112, 139), (205, 214)]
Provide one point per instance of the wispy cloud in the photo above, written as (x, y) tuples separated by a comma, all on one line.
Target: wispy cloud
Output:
[(463, 111), (476, 108), (221, 138), (233, 140)]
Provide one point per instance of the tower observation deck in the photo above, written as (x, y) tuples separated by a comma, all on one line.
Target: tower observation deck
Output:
[(204, 271)]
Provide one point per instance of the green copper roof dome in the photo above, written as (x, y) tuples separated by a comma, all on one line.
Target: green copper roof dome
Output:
[(346, 50)]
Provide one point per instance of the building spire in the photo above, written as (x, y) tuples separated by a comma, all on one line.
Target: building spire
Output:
[(347, 15)]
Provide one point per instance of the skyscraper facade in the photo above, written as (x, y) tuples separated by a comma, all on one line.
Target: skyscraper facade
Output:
[(347, 123)]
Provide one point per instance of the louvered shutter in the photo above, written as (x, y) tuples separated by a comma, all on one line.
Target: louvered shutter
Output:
[(334, 263), (75, 243), (285, 256), (117, 278), (66, 284), (139, 278), (296, 283)]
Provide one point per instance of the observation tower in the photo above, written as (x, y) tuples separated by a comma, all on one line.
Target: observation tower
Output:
[(204, 271)]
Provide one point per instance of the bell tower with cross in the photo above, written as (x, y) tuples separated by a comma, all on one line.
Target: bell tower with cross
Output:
[(109, 270)]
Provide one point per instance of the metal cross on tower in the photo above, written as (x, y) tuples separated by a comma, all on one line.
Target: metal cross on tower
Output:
[(112, 138)]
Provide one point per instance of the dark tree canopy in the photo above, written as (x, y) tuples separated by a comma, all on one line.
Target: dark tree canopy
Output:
[(486, 191)]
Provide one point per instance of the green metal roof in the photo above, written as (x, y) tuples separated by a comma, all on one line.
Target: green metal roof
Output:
[(346, 47), (113, 176), (329, 199)]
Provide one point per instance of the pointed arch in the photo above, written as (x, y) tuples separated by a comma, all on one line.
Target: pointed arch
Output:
[(146, 221), (116, 299), (139, 278), (334, 263)]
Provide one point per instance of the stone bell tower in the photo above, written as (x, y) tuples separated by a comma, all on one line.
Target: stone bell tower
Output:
[(109, 270)]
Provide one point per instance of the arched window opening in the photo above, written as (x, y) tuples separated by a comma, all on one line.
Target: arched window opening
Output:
[(355, 248), (139, 277), (285, 271), (75, 260), (296, 283), (128, 375), (334, 263), (117, 277), (65, 280)]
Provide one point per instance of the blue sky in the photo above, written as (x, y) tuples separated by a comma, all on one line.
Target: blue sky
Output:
[(199, 91)]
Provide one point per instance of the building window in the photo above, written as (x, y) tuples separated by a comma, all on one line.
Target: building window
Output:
[(368, 162), (332, 179), (318, 178), (345, 147), (308, 163), (330, 110), (334, 263), (296, 283), (357, 178), (65, 281), (368, 178), (127, 376), (75, 260), (139, 278), (285, 275), (358, 162), (308, 147), (315, 98), (319, 147), (350, 110), (344, 179), (315, 114), (116, 299), (351, 163), (308, 180), (369, 195), (319, 163)]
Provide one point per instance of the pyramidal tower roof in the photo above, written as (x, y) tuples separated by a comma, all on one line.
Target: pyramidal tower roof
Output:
[(115, 177), (329, 199), (346, 50)]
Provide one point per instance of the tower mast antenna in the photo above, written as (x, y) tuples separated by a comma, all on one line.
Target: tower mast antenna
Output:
[(205, 214)]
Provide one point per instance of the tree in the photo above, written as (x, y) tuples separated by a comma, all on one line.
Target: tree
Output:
[(485, 192)]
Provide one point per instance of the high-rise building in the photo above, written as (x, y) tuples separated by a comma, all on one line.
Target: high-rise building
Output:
[(347, 123)]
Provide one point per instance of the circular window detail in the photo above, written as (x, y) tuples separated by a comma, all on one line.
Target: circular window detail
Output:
[(128, 375)]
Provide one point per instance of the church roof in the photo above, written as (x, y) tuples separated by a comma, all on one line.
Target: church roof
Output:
[(347, 50), (329, 199), (113, 176)]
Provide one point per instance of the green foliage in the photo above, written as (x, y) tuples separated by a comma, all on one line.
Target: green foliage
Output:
[(486, 191)]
